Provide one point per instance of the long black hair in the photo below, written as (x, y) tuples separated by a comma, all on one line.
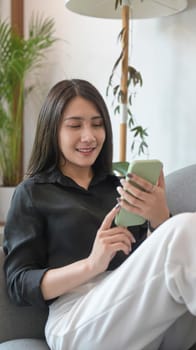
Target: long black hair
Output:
[(45, 154)]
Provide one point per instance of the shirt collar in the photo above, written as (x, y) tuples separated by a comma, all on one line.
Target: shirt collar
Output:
[(56, 176)]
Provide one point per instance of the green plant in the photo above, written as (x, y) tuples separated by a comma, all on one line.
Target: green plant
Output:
[(139, 133), (120, 168), (134, 79), (18, 57)]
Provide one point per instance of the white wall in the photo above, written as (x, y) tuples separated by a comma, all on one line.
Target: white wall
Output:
[(163, 50)]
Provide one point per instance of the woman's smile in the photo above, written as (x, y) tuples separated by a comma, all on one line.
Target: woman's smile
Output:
[(86, 151)]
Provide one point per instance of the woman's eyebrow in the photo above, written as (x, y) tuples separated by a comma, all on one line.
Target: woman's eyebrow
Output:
[(97, 117), (72, 117), (81, 117)]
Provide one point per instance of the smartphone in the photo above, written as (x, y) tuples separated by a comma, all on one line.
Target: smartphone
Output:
[(149, 170)]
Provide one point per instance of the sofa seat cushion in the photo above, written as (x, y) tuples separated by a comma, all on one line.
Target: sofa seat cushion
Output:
[(24, 344)]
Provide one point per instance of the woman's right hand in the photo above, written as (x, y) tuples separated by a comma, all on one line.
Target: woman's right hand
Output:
[(109, 240)]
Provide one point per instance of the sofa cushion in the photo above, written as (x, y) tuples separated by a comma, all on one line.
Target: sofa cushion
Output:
[(181, 189), (24, 344), (16, 321)]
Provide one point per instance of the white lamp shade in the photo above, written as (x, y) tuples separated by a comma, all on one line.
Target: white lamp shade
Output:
[(139, 8)]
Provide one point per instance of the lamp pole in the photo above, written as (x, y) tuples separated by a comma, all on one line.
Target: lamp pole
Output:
[(124, 77)]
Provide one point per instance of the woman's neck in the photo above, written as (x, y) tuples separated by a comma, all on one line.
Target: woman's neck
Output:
[(82, 176)]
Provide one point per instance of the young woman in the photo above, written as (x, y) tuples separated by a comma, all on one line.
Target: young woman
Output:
[(63, 249)]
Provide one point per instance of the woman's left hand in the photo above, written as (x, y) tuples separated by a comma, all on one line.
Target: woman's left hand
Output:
[(148, 201)]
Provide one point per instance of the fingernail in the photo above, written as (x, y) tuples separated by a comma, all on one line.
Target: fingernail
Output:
[(117, 206), (118, 199), (122, 181), (130, 175)]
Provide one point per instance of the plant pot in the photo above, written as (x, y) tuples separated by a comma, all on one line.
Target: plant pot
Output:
[(5, 200)]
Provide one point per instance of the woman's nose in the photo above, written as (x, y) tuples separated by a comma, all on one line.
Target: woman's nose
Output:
[(87, 135)]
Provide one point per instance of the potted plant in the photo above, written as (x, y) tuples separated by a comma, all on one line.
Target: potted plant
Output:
[(18, 57)]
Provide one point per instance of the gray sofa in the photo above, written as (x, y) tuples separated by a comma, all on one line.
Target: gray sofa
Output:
[(22, 328), (19, 323)]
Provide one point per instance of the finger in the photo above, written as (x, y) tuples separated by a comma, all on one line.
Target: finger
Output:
[(120, 236), (118, 231), (139, 182), (133, 208), (161, 180), (120, 246), (153, 188), (126, 232), (133, 180), (107, 222), (133, 196), (110, 240)]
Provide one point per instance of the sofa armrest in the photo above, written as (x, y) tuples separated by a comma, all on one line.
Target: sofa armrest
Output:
[(181, 190), (16, 321)]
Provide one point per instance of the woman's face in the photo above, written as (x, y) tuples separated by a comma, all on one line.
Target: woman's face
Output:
[(81, 134)]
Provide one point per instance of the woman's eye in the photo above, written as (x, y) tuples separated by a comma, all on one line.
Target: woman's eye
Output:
[(98, 125), (74, 126)]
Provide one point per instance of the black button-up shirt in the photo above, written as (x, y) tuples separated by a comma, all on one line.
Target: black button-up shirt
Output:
[(52, 222)]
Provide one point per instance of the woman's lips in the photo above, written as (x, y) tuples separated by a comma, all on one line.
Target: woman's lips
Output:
[(86, 150)]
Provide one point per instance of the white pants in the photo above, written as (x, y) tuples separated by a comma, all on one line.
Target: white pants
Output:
[(149, 302)]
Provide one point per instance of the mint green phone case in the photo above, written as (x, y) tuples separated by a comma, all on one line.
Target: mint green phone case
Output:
[(149, 170)]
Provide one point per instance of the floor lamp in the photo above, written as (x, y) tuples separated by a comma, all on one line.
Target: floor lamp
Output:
[(126, 10)]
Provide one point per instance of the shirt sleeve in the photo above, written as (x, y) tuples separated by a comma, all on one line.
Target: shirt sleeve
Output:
[(25, 250)]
